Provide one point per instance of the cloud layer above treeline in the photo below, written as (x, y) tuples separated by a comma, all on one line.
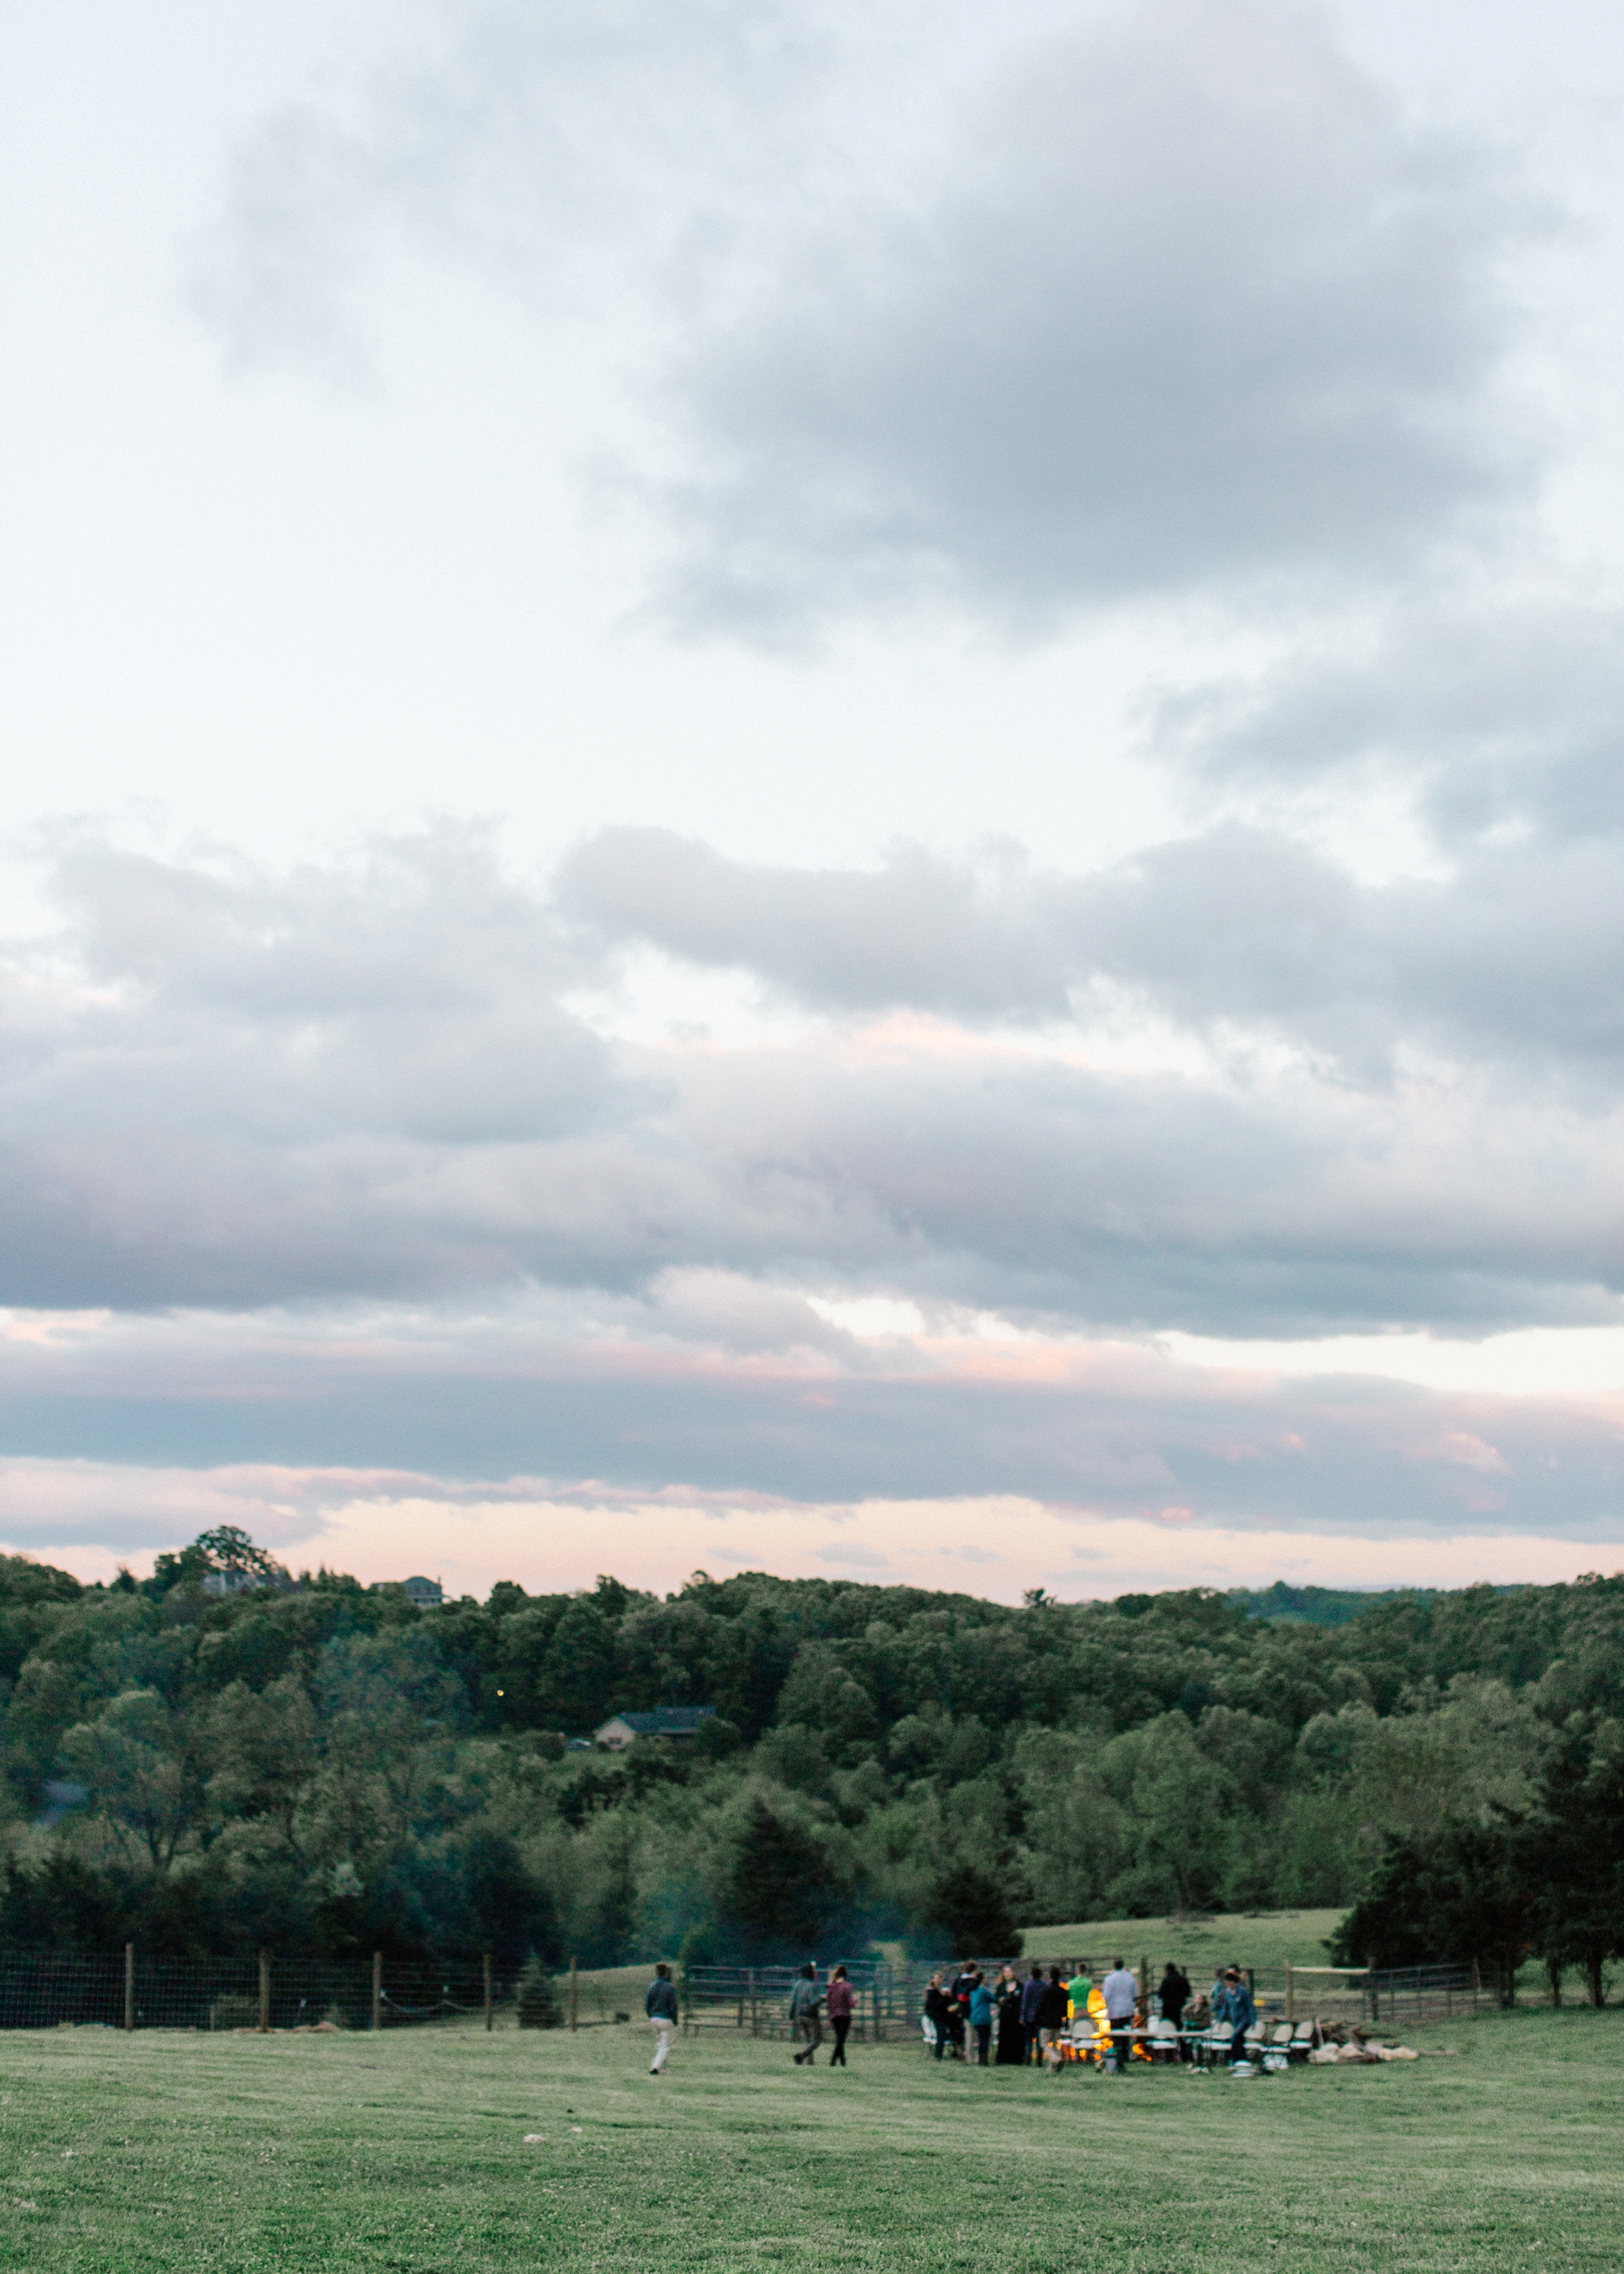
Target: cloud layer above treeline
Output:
[(1173, 341), (1226, 1088)]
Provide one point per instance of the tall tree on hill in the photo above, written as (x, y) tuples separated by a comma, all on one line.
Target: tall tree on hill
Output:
[(776, 1891), (1575, 1857)]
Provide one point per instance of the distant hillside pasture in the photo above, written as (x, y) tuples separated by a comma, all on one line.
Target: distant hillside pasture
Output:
[(1278, 1938)]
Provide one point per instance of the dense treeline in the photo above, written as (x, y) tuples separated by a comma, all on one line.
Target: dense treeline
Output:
[(330, 1767)]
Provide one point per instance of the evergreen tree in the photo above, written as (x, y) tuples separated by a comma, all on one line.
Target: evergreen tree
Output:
[(777, 1890), (538, 1999)]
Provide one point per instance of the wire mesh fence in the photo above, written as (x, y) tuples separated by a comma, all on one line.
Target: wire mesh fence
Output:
[(754, 2000), (132, 1989), (1403, 1997)]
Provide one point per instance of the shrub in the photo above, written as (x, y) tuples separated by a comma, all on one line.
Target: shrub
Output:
[(538, 1998)]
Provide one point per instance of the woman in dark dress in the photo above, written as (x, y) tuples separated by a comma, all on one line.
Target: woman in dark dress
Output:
[(1012, 2036)]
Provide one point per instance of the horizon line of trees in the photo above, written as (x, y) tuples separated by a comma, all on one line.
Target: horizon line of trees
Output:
[(319, 1766)]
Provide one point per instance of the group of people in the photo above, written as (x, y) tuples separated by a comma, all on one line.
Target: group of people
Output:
[(1026, 2020), (839, 2001), (1031, 2018)]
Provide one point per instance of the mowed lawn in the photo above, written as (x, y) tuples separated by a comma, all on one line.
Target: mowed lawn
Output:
[(407, 2151)]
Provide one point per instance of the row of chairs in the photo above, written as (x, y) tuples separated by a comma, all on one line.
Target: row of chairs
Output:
[(1294, 2040), (1086, 2041)]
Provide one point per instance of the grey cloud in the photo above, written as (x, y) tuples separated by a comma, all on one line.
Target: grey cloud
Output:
[(1190, 299), (1493, 714), (1517, 956), (976, 942), (1032, 314), (573, 153), (224, 1088), (1118, 1432)]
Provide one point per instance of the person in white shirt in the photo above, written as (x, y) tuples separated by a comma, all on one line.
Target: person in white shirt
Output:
[(1120, 1990)]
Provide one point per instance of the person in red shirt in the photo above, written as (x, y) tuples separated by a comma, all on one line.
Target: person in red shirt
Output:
[(840, 2004)]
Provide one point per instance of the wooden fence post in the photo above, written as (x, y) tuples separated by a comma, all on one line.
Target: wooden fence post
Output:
[(265, 1989), (574, 1992), (378, 1989), (129, 1985), (490, 2017), (1291, 1993)]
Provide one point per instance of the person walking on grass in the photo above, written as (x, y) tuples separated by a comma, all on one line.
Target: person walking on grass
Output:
[(838, 2006), (804, 2000), (660, 2005)]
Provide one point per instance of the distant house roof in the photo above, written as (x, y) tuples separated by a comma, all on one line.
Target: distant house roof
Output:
[(662, 1722), (426, 1593), (239, 1582), (60, 1800)]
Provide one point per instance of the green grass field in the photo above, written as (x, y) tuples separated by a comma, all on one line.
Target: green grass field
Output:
[(1275, 1938), (407, 2150)]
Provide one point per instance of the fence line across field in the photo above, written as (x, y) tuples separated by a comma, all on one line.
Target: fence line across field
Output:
[(131, 1990), (891, 1997)]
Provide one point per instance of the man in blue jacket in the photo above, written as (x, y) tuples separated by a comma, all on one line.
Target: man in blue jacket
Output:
[(660, 2005), (804, 2000), (1240, 2010)]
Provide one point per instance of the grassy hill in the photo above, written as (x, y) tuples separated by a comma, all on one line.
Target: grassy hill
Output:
[(1276, 1939)]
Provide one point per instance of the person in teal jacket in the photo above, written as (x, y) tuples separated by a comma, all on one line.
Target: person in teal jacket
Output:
[(981, 2019), (1240, 2010)]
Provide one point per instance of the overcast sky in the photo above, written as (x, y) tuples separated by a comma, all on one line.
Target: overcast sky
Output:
[(813, 787)]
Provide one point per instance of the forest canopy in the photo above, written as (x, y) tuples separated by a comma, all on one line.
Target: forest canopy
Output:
[(328, 1767)]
